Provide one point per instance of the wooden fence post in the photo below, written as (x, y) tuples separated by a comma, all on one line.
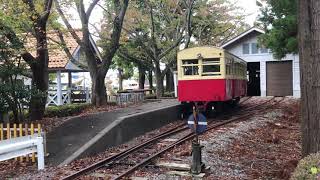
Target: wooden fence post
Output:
[(20, 135)]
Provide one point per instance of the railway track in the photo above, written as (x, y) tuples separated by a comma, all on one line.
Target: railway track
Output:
[(244, 100), (130, 158)]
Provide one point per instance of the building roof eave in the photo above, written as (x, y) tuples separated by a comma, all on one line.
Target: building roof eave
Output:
[(242, 35)]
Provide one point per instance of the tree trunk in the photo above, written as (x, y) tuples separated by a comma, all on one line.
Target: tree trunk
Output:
[(150, 79), (159, 81), (39, 93), (169, 81), (98, 90), (142, 77), (40, 76), (120, 76), (309, 50)]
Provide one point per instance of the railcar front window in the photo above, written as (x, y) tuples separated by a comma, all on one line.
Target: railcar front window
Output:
[(211, 68), (190, 70), (193, 61), (211, 61), (190, 67)]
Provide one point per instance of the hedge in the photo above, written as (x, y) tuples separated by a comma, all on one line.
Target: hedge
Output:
[(168, 94), (150, 96), (65, 110)]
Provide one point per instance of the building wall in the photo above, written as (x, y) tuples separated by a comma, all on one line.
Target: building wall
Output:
[(236, 49)]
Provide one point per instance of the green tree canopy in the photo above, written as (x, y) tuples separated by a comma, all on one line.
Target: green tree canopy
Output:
[(279, 19), (217, 21), (13, 93)]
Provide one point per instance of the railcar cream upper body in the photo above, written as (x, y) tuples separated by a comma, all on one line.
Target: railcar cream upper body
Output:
[(210, 74), (209, 63)]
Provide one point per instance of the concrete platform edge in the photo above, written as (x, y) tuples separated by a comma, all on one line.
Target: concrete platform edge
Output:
[(88, 148)]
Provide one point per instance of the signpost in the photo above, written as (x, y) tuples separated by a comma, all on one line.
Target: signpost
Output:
[(197, 122)]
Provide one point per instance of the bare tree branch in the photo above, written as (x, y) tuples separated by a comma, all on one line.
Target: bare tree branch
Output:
[(134, 60), (66, 22), (189, 30), (47, 10), (165, 52), (96, 29), (116, 32), (90, 8)]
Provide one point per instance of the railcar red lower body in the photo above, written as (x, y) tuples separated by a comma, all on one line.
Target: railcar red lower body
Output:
[(211, 90)]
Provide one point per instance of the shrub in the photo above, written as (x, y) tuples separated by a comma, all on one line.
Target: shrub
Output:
[(65, 110), (168, 94), (150, 96), (308, 168), (112, 103)]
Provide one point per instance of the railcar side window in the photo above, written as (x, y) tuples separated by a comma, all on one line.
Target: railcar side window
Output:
[(228, 68)]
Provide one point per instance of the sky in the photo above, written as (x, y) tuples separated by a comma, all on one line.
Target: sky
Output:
[(249, 6)]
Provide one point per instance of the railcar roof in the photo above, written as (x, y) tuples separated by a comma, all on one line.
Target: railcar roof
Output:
[(213, 47)]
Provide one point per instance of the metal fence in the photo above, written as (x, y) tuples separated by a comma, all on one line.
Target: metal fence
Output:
[(130, 97), (22, 146), (8, 131), (84, 96)]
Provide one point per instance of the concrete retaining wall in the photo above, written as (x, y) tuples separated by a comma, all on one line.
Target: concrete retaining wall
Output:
[(124, 129)]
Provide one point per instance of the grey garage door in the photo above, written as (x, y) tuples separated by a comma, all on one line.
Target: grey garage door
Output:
[(279, 78)]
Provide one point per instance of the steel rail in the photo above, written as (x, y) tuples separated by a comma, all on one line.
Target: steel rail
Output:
[(130, 150), (124, 153), (183, 139), (248, 97)]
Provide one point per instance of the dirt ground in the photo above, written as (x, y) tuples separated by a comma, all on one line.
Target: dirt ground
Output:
[(266, 146)]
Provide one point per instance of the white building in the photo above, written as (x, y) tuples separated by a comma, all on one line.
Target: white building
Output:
[(267, 76)]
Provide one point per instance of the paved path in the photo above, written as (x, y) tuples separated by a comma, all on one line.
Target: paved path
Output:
[(69, 137)]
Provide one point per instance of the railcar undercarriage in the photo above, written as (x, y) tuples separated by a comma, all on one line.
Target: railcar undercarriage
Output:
[(208, 108)]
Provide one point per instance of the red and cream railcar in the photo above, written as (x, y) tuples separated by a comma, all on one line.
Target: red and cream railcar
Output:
[(210, 75)]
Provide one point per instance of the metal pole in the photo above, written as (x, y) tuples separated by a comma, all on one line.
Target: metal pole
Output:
[(40, 152), (195, 124), (197, 164)]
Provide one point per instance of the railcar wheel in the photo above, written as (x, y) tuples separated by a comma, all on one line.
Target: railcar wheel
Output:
[(210, 110), (213, 109), (236, 101), (185, 110), (232, 103)]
